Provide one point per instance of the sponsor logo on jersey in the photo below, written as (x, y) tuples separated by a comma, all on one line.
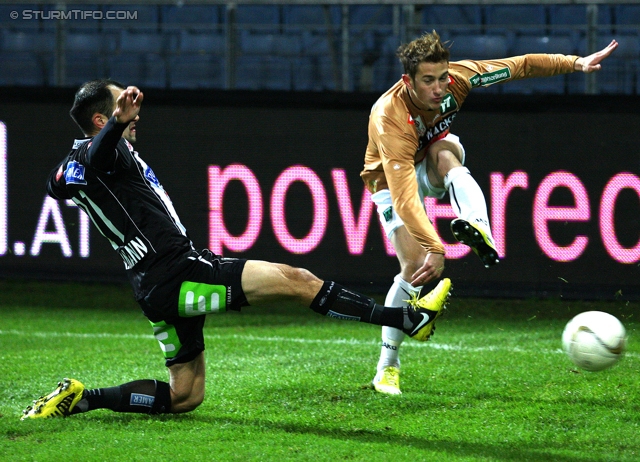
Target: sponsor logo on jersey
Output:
[(448, 104), (138, 399), (489, 78), (151, 177), (74, 174), (78, 143), (419, 124), (437, 131)]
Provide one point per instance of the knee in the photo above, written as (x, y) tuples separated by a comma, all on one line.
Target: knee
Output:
[(186, 402), (297, 275), (445, 155)]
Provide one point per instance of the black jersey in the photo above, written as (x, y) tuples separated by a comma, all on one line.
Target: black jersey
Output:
[(107, 179)]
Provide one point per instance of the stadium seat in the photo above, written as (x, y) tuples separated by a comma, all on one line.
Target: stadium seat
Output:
[(87, 42), (616, 77), (516, 19), (370, 15), (478, 47), (263, 18), (143, 42), (27, 40), (303, 74), (456, 19), (82, 66), (196, 71), (576, 83), (192, 17), (315, 73), (263, 73), (256, 44), (248, 70), (135, 17), (544, 44), (315, 44), (277, 73), (618, 71), (629, 46), (329, 73), (202, 43), (7, 22), (627, 19), (387, 69), (268, 44), (316, 18), (82, 18), (20, 69), (145, 71), (571, 20)]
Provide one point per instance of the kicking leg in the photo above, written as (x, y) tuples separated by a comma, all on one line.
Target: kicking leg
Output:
[(264, 282), (467, 200)]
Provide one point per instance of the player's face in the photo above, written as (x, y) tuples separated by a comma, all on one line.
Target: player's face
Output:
[(129, 133), (429, 85)]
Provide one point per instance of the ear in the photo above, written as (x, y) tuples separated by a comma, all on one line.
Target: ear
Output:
[(99, 120), (407, 81)]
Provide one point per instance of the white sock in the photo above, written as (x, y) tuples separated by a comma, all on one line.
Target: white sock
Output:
[(467, 199), (391, 337)]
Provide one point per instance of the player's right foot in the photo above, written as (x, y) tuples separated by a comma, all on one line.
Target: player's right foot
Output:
[(387, 381), (58, 403), (475, 237), (427, 309)]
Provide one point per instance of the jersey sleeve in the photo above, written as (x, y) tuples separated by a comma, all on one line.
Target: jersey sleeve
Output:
[(56, 186), (397, 148), (103, 153), (470, 74)]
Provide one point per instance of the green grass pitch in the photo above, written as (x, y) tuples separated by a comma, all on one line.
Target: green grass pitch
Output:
[(284, 384)]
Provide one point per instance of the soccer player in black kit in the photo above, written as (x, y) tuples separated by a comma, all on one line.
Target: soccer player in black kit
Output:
[(175, 284)]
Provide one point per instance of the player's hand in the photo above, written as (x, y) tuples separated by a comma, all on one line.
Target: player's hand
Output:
[(591, 63), (128, 105), (431, 269)]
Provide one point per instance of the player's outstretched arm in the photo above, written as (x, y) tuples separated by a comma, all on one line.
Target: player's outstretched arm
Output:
[(592, 62), (128, 105)]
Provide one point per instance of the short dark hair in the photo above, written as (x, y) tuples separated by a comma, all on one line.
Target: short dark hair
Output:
[(93, 96), (426, 49)]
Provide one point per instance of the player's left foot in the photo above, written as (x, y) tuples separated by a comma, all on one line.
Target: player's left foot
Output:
[(427, 309), (387, 381), (58, 403), (474, 236)]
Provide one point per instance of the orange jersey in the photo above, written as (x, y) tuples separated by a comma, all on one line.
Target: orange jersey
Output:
[(400, 132)]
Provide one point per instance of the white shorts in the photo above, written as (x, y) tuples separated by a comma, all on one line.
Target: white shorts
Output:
[(387, 214)]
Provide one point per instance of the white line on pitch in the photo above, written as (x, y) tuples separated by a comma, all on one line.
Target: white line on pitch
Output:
[(433, 345)]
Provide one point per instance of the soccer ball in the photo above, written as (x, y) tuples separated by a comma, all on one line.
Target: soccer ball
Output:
[(594, 340)]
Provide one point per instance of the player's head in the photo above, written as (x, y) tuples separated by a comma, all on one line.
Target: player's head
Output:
[(426, 49), (426, 70), (94, 104)]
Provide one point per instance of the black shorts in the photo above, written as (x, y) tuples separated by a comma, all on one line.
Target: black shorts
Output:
[(203, 283)]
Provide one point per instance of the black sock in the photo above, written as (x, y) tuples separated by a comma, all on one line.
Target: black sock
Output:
[(336, 301), (141, 396)]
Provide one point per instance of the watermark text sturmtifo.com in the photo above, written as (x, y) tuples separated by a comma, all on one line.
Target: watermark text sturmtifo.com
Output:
[(73, 14)]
